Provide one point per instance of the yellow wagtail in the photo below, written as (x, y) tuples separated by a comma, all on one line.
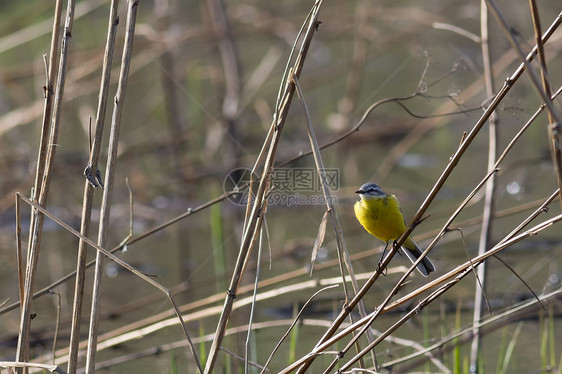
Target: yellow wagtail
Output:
[(380, 214)]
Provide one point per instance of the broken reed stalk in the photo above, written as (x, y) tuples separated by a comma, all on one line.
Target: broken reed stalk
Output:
[(489, 197), (90, 184), (36, 226), (260, 200), (132, 6)]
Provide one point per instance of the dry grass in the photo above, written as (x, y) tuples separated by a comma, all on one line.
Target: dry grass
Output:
[(191, 93)]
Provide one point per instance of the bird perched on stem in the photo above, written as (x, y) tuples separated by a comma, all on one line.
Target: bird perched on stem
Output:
[(379, 213)]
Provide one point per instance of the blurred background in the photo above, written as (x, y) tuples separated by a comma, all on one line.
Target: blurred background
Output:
[(199, 103)]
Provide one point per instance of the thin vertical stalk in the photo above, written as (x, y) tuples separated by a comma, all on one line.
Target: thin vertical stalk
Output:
[(52, 68), (257, 210), (109, 181), (92, 181), (36, 226), (19, 249), (253, 305), (489, 197)]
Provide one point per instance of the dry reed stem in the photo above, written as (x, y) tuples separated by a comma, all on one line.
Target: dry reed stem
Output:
[(457, 30), (132, 6), (51, 69), (255, 217), (21, 365), (92, 181), (57, 328), (246, 358), (142, 329), (48, 90), (432, 297), (461, 274), (489, 195), (19, 249), (36, 226)]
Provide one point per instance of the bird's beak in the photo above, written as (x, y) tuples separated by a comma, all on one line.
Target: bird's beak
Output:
[(359, 191)]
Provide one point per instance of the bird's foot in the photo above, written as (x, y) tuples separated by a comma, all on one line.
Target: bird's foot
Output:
[(381, 270)]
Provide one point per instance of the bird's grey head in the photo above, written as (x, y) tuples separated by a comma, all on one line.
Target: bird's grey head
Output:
[(370, 190)]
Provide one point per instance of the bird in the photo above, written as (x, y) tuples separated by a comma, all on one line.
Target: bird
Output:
[(379, 213)]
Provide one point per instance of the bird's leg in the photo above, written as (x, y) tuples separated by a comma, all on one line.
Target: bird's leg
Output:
[(379, 268)]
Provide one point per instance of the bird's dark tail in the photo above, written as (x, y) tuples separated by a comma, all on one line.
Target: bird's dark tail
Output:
[(413, 252)]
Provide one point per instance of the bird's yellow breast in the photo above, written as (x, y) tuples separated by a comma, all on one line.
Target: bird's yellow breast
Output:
[(381, 217)]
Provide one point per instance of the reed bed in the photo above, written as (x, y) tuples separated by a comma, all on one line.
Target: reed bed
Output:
[(211, 229)]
